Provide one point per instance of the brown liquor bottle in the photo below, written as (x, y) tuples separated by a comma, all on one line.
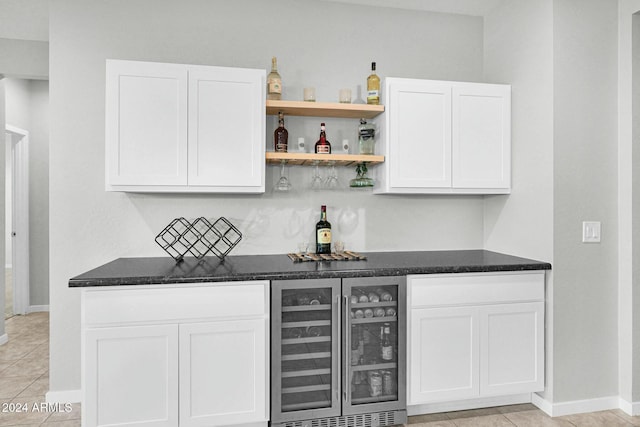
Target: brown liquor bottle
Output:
[(322, 145), (281, 135), (323, 233)]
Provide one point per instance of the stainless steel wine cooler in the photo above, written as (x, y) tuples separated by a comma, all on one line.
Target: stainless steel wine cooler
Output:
[(338, 352)]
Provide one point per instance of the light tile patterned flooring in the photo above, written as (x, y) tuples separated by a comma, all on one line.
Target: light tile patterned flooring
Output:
[(24, 379), (24, 376), (525, 415)]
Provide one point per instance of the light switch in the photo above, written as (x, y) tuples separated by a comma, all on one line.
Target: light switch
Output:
[(591, 232)]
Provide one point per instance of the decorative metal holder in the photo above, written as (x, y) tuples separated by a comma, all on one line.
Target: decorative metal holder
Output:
[(198, 238)]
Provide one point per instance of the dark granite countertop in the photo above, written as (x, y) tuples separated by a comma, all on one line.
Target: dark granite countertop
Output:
[(164, 270)]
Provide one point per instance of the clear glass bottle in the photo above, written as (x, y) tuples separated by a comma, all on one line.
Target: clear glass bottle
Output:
[(274, 82), (366, 137), (322, 145), (373, 86), (281, 135)]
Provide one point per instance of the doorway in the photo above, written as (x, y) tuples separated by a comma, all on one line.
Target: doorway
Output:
[(17, 245)]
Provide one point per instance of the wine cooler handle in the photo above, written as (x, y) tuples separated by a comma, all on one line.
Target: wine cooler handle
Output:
[(347, 378), (339, 335)]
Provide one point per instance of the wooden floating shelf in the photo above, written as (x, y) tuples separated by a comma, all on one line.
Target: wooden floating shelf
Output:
[(323, 159), (324, 109)]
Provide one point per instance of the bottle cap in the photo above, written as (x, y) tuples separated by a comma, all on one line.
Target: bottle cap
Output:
[(373, 66)]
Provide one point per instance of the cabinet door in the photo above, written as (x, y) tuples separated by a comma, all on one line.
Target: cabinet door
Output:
[(481, 136), (419, 135), (374, 344), (305, 370), (512, 348), (227, 128), (223, 373), (146, 124), (443, 354), (131, 376)]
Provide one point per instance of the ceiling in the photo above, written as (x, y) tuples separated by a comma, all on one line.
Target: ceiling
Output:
[(462, 7)]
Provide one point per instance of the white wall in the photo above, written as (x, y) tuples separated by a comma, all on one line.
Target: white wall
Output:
[(326, 45), (585, 281), (519, 50), (629, 202)]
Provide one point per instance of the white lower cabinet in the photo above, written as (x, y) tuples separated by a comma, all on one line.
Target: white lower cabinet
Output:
[(131, 376), (469, 343), (182, 356), (444, 354), (222, 372)]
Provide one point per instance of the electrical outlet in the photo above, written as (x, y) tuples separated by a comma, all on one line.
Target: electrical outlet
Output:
[(591, 232)]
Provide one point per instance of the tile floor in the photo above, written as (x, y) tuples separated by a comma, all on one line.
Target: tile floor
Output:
[(24, 379), (24, 376), (525, 415)]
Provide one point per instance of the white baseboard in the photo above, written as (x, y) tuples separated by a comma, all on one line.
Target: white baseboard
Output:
[(463, 405), (4, 339), (37, 308), (575, 406), (65, 396), (630, 408)]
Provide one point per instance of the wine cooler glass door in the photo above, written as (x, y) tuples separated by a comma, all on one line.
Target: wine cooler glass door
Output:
[(305, 349), (374, 343)]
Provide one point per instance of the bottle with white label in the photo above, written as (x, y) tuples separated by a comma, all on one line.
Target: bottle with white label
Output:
[(373, 86), (322, 145), (323, 233), (274, 82)]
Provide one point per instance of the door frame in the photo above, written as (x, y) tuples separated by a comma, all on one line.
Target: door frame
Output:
[(20, 217)]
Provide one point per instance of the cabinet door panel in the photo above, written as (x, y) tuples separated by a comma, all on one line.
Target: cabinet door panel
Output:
[(443, 359), (223, 373), (481, 136), (512, 348), (146, 124), (226, 128), (420, 135), (131, 376)]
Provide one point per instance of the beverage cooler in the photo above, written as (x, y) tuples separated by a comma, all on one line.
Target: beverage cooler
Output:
[(338, 352)]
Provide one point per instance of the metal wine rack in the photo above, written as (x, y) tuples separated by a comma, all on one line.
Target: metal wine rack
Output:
[(198, 238)]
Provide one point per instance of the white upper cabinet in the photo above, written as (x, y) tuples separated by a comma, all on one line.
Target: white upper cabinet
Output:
[(146, 124), (445, 137), (184, 128)]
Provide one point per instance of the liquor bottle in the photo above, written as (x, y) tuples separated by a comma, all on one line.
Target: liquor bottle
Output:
[(373, 86), (366, 135), (280, 135), (322, 145), (323, 233), (274, 82), (386, 346)]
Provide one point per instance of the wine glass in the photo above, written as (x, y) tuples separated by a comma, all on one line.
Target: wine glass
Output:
[(316, 179), (283, 183), (332, 180)]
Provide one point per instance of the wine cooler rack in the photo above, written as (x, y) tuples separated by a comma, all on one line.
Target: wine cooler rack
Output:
[(338, 349)]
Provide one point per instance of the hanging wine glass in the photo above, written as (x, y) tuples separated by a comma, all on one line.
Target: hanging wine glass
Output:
[(283, 183), (332, 179), (316, 179)]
